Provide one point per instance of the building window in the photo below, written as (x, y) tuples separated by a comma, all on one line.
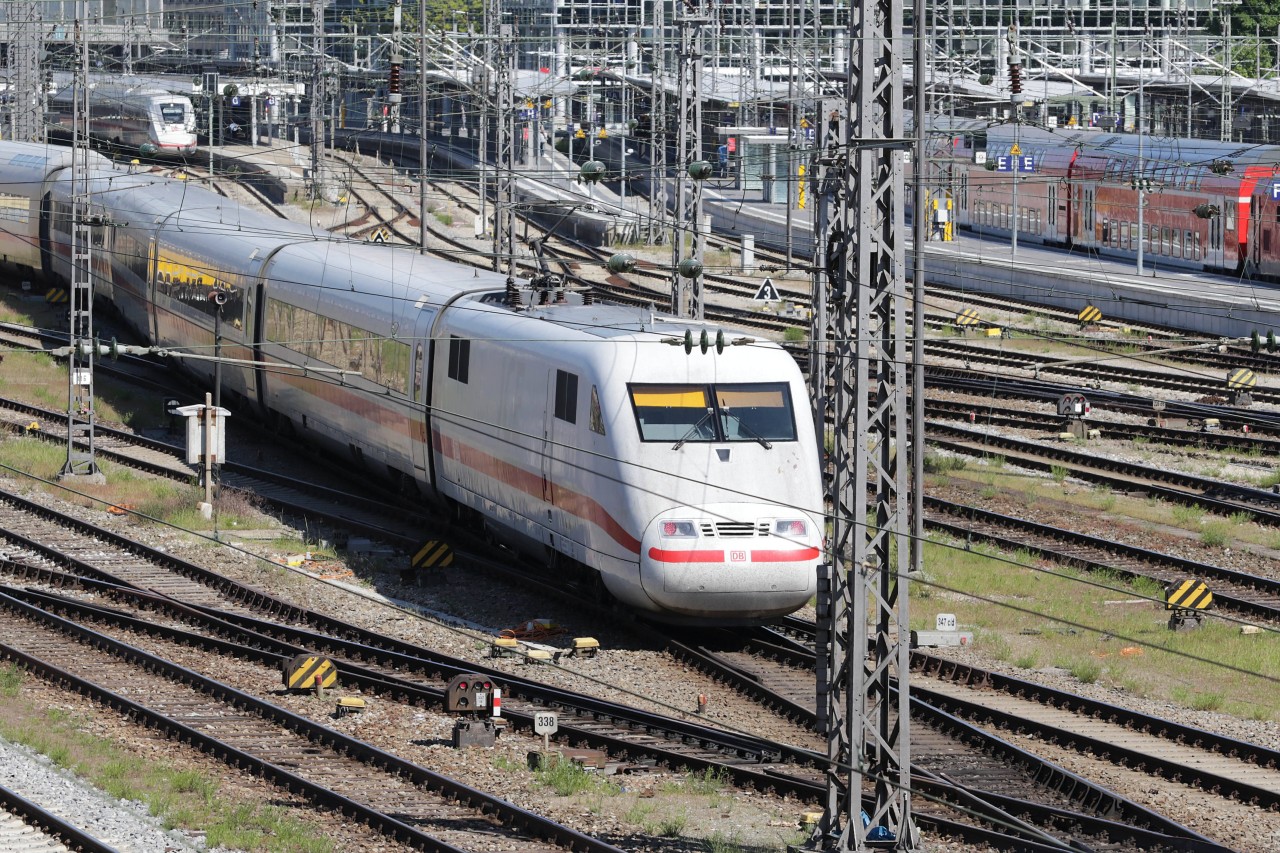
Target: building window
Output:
[(567, 396)]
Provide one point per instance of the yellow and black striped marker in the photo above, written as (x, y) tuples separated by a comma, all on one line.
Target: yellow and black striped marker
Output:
[(56, 295), (432, 554), (1241, 380), (1089, 314), (968, 317), (303, 671), (1189, 594)]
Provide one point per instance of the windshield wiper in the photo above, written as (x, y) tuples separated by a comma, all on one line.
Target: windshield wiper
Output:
[(693, 429), (748, 431)]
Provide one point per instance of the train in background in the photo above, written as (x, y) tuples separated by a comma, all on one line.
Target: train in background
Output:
[(130, 115), (1209, 205), (685, 483)]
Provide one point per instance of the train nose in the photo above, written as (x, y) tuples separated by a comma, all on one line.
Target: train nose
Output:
[(755, 558)]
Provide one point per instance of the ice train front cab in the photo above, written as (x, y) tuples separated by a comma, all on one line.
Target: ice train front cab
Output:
[(736, 535)]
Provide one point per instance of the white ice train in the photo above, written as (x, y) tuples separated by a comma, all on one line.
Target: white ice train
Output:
[(688, 484), (133, 115)]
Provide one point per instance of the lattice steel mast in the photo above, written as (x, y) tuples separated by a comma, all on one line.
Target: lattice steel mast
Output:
[(81, 459), (863, 712), (504, 58), (688, 184), (26, 91), (658, 124), (319, 97)]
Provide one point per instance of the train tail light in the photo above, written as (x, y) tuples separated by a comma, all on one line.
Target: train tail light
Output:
[(678, 529)]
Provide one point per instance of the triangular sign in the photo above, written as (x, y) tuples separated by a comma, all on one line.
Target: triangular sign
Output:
[(767, 292)]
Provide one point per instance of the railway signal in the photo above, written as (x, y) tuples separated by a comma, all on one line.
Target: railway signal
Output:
[(472, 696)]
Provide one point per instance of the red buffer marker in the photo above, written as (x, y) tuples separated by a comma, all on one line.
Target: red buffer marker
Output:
[(497, 702)]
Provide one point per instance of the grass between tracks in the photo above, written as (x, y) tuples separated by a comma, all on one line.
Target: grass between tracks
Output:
[(180, 797), (1034, 614)]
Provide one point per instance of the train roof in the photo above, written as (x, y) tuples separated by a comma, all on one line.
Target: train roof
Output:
[(621, 322), (1149, 146), (31, 162)]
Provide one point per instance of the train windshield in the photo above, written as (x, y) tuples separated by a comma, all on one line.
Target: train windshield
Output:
[(757, 411), (172, 113)]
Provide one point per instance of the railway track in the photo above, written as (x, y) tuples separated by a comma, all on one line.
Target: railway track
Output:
[(1248, 772), (1001, 780), (1212, 495), (26, 827), (1090, 373), (757, 764), (396, 798), (747, 754)]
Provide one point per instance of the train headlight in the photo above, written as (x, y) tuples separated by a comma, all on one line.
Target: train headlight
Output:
[(678, 529), (790, 527)]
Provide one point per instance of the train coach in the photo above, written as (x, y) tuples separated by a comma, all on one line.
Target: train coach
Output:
[(131, 115), (1207, 205), (686, 484)]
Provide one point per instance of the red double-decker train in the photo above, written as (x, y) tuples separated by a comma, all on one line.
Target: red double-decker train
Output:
[(1207, 205)]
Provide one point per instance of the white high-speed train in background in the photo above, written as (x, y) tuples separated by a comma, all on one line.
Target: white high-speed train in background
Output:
[(687, 483), (131, 114)]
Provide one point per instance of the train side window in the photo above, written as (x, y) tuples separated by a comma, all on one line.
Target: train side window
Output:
[(567, 396), (1124, 235), (459, 358), (597, 415), (1177, 243), (418, 365), (1053, 204), (1166, 241), (1188, 247), (1230, 224), (1115, 233)]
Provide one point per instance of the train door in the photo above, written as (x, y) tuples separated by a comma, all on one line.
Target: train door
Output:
[(422, 388), (1214, 255), (1051, 215), (46, 237), (1087, 236), (545, 466)]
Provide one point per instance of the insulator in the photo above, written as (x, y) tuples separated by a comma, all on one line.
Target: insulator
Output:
[(1015, 79), (393, 83)]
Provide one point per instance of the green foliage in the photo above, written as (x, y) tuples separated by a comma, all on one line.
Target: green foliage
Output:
[(10, 680), (565, 777), (1087, 671), (934, 464), (1215, 534), (794, 334), (710, 781), (672, 826), (1059, 473)]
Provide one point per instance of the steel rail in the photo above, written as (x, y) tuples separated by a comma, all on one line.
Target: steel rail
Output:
[(49, 824), (536, 825)]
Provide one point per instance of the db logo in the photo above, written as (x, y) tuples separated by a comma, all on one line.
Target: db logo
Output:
[(737, 556)]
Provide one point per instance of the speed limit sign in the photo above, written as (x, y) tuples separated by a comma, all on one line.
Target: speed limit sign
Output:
[(546, 723)]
